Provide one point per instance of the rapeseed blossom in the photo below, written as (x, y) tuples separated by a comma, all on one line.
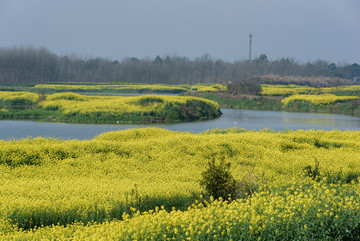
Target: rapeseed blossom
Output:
[(142, 184)]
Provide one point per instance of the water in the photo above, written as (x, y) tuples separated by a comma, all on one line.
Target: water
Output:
[(248, 119)]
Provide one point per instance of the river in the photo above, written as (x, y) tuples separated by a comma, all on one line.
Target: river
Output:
[(248, 119)]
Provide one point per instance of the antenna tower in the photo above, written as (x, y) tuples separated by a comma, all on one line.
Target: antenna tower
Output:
[(250, 43)]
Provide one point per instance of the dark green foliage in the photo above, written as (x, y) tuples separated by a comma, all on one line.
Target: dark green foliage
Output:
[(249, 87), (41, 97), (17, 157), (338, 177), (284, 147), (353, 234), (313, 173), (198, 110), (351, 177), (69, 96), (218, 180), (150, 100), (344, 178), (262, 59), (28, 220)]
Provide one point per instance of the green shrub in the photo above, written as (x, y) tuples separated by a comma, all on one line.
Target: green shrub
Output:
[(218, 180)]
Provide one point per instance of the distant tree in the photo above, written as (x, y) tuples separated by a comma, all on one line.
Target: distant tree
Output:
[(27, 65), (158, 60), (262, 59), (248, 86), (332, 67)]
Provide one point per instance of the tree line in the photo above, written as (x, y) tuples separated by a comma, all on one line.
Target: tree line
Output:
[(28, 65)]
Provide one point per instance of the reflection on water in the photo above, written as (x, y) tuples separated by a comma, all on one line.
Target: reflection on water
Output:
[(248, 119), (322, 121), (315, 121)]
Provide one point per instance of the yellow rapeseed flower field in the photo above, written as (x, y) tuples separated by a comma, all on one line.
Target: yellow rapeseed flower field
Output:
[(315, 96), (71, 103), (287, 90), (142, 184), (323, 99), (340, 88), (9, 98)]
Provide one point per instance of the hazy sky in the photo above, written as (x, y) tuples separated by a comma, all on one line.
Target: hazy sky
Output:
[(305, 30)]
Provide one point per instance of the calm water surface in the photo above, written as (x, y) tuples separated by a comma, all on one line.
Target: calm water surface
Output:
[(249, 119)]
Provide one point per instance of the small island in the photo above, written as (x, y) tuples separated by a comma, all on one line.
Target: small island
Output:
[(73, 107)]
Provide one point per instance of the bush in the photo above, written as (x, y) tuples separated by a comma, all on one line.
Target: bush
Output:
[(218, 181), (249, 87)]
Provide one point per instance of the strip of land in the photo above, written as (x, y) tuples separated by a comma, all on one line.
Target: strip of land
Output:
[(72, 107)]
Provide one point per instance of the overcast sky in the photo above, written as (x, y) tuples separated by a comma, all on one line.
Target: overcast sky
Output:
[(306, 30)]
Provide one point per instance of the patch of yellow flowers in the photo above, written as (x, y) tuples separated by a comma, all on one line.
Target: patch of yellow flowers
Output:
[(111, 108), (124, 175), (294, 214), (71, 103), (286, 90), (315, 96), (9, 97), (324, 99)]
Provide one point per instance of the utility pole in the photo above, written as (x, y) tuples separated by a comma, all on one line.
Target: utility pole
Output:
[(250, 43)]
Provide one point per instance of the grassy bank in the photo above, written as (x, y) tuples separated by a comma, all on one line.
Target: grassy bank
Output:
[(250, 102), (140, 184), (71, 107)]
